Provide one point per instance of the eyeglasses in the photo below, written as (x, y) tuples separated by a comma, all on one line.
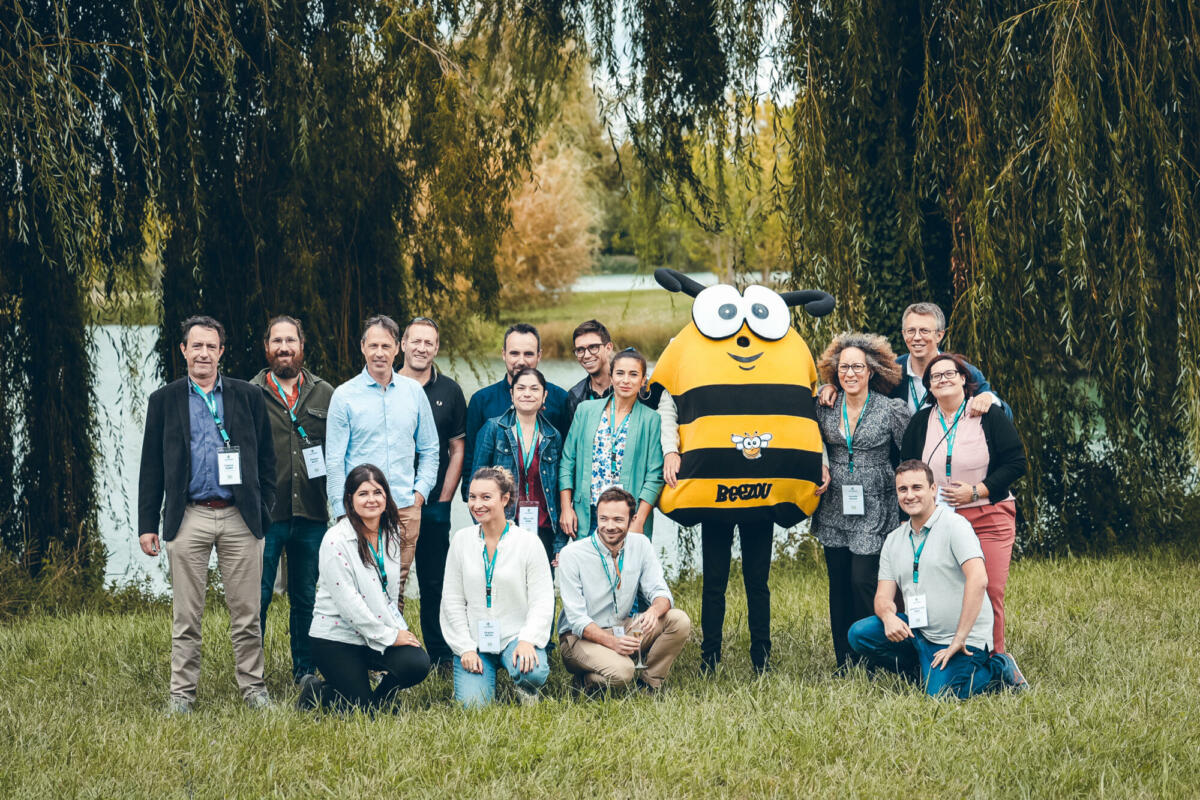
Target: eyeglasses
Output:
[(425, 321), (937, 377), (857, 369), (911, 332), (591, 350)]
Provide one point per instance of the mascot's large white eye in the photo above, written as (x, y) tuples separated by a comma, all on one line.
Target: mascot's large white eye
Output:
[(719, 311), (766, 313)]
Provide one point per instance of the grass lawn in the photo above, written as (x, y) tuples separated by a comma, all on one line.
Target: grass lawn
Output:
[(1110, 646)]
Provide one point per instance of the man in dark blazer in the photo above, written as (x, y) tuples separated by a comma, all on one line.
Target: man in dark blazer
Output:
[(207, 451)]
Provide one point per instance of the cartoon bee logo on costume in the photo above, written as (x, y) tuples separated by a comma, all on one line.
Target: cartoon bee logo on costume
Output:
[(741, 380)]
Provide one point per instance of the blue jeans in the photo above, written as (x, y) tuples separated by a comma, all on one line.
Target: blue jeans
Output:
[(302, 538), (963, 676), (474, 691)]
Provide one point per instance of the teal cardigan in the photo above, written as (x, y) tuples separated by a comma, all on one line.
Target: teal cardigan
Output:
[(641, 468)]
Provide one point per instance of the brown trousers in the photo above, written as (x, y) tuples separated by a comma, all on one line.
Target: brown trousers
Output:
[(239, 559), (410, 524), (600, 666)]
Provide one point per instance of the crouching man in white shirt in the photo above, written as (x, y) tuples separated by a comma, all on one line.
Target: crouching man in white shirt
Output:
[(600, 639)]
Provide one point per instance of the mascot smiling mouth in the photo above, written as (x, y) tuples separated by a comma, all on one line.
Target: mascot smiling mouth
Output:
[(745, 360)]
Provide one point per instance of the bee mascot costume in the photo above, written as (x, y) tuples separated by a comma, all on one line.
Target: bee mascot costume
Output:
[(735, 389)]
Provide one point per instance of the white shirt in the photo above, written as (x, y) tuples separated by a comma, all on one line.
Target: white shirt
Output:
[(351, 606), (522, 590), (587, 590)]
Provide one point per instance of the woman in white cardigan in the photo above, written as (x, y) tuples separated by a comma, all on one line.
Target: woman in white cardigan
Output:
[(497, 598), (357, 625)]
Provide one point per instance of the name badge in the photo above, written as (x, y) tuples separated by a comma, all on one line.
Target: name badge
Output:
[(489, 636), (229, 466), (527, 515), (618, 631), (314, 461), (918, 614), (853, 504)]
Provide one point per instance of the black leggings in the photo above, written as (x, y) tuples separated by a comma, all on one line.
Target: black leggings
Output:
[(344, 667), (852, 582)]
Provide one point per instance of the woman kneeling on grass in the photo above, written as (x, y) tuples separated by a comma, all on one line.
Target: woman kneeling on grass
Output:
[(497, 597), (357, 625)]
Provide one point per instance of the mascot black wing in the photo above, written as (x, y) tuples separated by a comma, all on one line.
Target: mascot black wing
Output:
[(742, 380)]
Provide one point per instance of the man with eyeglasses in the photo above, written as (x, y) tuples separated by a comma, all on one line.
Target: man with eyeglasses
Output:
[(924, 327), (420, 344), (522, 348), (297, 408), (593, 351), (944, 635)]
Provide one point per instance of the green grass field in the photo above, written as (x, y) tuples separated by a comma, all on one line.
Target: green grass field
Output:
[(1110, 646)]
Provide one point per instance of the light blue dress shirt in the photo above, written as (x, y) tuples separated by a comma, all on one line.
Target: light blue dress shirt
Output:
[(385, 426), (203, 483)]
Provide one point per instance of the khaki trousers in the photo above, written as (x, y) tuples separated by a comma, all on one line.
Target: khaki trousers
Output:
[(239, 559), (600, 666), (410, 531)]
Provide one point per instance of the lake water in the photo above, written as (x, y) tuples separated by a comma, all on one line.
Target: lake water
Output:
[(126, 374), (632, 283)]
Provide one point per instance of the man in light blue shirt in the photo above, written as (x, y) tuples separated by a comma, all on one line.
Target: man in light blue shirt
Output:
[(599, 578), (381, 417)]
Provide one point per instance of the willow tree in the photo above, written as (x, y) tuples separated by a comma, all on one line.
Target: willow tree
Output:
[(1033, 168)]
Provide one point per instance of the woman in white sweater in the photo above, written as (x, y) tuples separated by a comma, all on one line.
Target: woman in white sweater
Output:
[(357, 625), (497, 597)]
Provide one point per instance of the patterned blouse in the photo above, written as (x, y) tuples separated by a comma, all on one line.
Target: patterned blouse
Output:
[(608, 453), (879, 430)]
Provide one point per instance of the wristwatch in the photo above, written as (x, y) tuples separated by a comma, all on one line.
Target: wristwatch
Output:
[(974, 492)]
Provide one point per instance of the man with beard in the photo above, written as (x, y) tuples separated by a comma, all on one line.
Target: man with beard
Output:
[(599, 578), (297, 406), (420, 345), (381, 417), (522, 348)]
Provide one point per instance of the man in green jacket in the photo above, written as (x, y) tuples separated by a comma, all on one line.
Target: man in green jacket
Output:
[(297, 406)]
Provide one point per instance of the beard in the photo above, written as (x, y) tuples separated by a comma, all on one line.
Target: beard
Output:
[(289, 370)]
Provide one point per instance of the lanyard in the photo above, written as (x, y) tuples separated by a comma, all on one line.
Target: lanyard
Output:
[(951, 433), (489, 567), (379, 567), (290, 407), (917, 552), (211, 402), (613, 584), (846, 422), (613, 434), (912, 391), (527, 458)]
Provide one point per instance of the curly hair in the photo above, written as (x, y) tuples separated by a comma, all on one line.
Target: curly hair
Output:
[(881, 361)]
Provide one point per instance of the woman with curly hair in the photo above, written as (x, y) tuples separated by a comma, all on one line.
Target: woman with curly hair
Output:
[(862, 433)]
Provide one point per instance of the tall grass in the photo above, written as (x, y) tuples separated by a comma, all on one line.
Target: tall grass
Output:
[(1109, 645)]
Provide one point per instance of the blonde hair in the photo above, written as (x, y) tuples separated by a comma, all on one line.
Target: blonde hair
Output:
[(502, 477)]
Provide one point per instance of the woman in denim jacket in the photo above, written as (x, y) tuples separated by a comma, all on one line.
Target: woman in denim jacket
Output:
[(523, 442)]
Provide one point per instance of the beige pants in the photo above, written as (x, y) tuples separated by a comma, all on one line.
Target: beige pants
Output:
[(600, 666), (410, 524), (239, 558)]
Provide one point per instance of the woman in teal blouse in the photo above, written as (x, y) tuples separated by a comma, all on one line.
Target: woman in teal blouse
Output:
[(612, 442)]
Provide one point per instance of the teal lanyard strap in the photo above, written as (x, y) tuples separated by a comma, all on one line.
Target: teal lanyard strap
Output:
[(846, 423), (489, 567), (912, 390), (527, 458), (613, 434), (917, 553), (379, 567), (951, 433), (291, 412), (613, 584), (210, 401)]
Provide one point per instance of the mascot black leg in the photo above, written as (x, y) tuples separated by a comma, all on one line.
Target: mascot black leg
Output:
[(757, 540), (716, 542)]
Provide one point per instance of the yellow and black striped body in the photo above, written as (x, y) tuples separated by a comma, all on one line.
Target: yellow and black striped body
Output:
[(726, 393)]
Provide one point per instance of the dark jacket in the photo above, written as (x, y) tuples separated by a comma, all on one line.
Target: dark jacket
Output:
[(297, 495), (496, 446), (493, 401), (166, 457), (1006, 454)]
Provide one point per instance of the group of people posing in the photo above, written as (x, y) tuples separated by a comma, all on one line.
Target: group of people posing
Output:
[(559, 481)]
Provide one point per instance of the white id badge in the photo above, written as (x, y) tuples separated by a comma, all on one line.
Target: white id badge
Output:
[(314, 461), (489, 636), (527, 515), (918, 615), (618, 631), (229, 466), (853, 504)]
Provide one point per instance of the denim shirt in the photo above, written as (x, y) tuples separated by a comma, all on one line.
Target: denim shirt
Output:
[(206, 441), (496, 446)]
